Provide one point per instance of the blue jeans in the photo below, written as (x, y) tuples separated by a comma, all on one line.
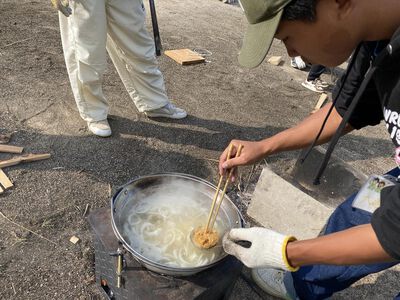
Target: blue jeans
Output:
[(315, 72), (321, 281)]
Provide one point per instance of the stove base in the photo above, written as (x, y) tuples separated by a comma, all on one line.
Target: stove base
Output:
[(140, 283)]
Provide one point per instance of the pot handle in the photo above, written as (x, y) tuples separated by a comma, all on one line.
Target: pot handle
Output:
[(119, 190)]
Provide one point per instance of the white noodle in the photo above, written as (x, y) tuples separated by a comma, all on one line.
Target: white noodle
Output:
[(159, 227)]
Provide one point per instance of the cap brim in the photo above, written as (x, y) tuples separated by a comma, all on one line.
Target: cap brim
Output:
[(257, 41)]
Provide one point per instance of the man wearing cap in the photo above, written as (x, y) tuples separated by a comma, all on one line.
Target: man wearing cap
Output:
[(356, 242)]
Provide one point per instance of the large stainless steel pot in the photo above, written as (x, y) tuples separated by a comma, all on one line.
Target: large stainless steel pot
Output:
[(132, 192)]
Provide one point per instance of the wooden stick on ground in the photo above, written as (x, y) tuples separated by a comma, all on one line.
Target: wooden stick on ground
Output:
[(320, 102), (24, 158), (24, 228), (86, 210), (13, 43), (11, 149), (5, 181), (13, 287)]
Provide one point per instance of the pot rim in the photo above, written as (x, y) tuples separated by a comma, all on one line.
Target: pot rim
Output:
[(142, 259)]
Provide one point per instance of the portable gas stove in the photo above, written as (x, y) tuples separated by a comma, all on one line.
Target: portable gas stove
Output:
[(137, 282)]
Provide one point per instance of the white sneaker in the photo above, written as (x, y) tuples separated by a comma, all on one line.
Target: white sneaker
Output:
[(100, 128), (271, 282), (313, 86), (321, 83), (167, 111), (298, 63)]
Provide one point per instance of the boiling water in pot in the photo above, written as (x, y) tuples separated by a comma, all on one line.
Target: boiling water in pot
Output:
[(159, 225)]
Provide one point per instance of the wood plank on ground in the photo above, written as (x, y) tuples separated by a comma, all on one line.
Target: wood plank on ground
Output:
[(74, 239), (11, 149), (185, 56), (275, 60), (322, 99), (24, 158), (4, 180)]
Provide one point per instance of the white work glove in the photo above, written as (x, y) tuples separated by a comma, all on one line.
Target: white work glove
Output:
[(267, 250), (62, 6)]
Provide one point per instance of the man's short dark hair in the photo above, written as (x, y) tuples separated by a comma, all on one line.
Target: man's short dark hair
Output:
[(300, 10)]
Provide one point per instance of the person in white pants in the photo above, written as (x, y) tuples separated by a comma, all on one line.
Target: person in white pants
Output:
[(90, 27)]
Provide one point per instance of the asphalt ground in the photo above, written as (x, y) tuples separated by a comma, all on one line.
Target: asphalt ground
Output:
[(223, 100)]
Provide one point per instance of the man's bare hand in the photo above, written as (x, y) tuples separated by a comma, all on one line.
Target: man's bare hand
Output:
[(251, 153)]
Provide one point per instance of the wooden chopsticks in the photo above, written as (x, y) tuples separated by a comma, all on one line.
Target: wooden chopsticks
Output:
[(212, 216)]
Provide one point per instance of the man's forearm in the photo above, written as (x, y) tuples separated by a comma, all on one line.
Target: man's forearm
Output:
[(305, 132), (358, 245)]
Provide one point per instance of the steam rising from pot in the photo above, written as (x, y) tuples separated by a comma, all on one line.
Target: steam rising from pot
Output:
[(160, 223)]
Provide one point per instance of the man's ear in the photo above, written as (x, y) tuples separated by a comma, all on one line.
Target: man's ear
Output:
[(344, 8)]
